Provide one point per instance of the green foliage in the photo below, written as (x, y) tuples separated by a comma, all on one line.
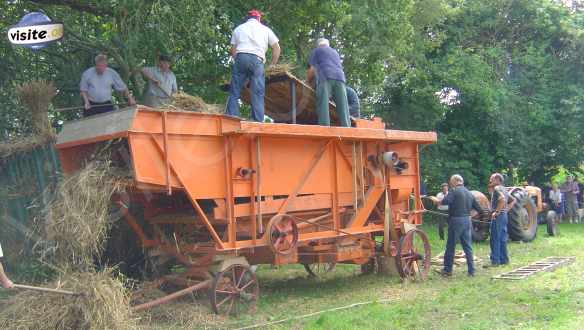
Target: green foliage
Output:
[(500, 81)]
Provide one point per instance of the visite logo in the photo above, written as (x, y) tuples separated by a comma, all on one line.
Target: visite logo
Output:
[(35, 30)]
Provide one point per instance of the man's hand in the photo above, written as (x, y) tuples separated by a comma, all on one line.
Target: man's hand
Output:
[(494, 215), (156, 82), (87, 105), (7, 284), (131, 100)]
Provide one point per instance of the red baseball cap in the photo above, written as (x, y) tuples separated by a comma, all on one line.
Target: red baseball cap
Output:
[(254, 13)]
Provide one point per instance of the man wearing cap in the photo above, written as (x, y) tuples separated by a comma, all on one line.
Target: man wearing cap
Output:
[(325, 64), (249, 44), (161, 83), (96, 88), (4, 280)]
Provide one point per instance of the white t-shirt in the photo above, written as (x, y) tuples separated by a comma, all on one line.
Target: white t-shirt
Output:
[(440, 197), (252, 37), (1, 255)]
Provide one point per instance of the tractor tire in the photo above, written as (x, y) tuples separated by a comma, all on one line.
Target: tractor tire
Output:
[(552, 228), (522, 225), (480, 225), (480, 232)]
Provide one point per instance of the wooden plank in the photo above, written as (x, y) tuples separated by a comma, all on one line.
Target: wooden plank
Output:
[(300, 203), (351, 133)]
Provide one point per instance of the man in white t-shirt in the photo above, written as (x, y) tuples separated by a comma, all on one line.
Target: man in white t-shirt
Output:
[(4, 280), (249, 44)]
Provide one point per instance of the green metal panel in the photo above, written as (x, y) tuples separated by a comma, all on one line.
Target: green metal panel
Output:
[(25, 176)]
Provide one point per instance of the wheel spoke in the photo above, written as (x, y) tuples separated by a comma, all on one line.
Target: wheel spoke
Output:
[(230, 307), (223, 301), (247, 285), (243, 272)]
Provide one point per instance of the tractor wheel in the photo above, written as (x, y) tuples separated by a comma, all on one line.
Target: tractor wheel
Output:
[(480, 226), (522, 225), (552, 228), (480, 232)]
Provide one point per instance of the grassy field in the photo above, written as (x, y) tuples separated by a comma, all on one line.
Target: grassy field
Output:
[(553, 300)]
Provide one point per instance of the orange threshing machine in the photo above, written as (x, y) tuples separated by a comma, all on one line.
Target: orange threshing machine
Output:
[(217, 194)]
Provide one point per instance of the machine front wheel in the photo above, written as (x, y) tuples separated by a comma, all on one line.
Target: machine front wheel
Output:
[(234, 290)]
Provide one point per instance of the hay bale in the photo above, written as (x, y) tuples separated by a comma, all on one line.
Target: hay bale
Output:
[(36, 96), (279, 69), (78, 219), (184, 102), (26, 143), (104, 303)]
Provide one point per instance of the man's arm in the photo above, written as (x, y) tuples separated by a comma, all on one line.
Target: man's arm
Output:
[(6, 282), (120, 86), (146, 73), (511, 202), (232, 51), (310, 74), (500, 204), (476, 205), (86, 103), (275, 53)]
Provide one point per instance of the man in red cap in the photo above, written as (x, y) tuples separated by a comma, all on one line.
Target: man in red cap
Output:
[(249, 44)]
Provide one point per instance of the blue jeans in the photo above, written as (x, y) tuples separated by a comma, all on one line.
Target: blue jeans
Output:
[(459, 228), (247, 67), (499, 237)]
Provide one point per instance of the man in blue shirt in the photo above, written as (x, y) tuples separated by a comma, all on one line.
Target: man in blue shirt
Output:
[(460, 201), (325, 62)]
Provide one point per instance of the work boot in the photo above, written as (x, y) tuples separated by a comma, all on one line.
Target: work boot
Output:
[(470, 274), (443, 273)]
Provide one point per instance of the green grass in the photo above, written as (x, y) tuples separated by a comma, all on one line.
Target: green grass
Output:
[(553, 300)]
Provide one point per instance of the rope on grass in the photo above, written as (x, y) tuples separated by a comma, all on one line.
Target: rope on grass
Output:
[(261, 325)]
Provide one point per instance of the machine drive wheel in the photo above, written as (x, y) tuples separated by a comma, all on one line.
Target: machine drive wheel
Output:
[(234, 290), (413, 255), (522, 225), (282, 234), (319, 269), (552, 228)]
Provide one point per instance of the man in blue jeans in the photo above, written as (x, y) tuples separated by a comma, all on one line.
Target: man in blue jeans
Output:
[(460, 201), (498, 231), (249, 44)]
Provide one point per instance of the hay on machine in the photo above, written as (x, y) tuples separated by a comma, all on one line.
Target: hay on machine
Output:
[(182, 101)]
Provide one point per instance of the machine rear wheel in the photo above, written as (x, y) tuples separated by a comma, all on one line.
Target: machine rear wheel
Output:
[(413, 255)]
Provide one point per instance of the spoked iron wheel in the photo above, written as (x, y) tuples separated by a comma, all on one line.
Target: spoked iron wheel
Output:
[(234, 290), (283, 234), (319, 269), (413, 255)]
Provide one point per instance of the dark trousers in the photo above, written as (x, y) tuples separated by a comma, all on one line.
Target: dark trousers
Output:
[(338, 91), (459, 228), (247, 67), (499, 237), (97, 108)]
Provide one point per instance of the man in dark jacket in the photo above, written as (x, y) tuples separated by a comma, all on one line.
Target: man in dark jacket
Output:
[(460, 201)]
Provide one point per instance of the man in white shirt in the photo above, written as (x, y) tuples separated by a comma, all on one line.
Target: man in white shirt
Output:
[(161, 83), (249, 44)]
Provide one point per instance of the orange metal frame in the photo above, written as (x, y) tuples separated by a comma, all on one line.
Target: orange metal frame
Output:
[(255, 171)]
